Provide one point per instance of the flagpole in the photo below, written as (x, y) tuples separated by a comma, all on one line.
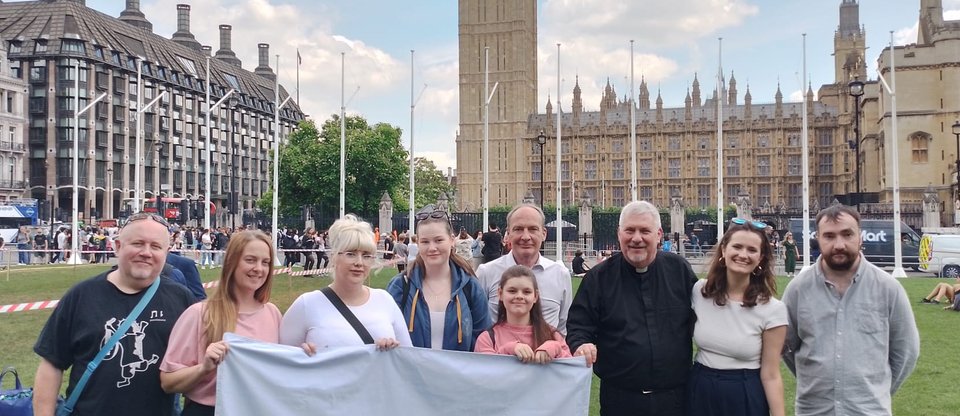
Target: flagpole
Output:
[(299, 61), (805, 145), (633, 133), (720, 139), (897, 241), (559, 179)]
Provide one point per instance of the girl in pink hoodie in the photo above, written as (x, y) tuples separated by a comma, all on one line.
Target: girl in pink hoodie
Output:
[(520, 329)]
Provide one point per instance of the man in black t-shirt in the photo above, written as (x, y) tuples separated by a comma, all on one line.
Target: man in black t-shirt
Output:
[(127, 382), (492, 244)]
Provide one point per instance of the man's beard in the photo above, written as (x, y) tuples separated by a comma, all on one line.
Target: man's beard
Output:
[(841, 265)]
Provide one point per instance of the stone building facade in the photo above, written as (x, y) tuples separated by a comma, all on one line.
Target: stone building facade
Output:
[(46, 39), (13, 150)]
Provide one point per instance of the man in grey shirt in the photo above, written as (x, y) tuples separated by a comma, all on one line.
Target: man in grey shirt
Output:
[(852, 339)]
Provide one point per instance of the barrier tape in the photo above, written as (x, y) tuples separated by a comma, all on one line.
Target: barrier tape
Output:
[(49, 304)]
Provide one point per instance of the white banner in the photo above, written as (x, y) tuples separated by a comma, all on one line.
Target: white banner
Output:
[(258, 378)]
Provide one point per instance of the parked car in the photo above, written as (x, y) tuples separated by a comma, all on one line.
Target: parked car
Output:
[(878, 242)]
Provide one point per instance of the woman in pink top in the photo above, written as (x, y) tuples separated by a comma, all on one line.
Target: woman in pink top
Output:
[(520, 329), (240, 305)]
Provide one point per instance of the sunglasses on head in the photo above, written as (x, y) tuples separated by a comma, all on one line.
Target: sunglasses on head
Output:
[(438, 214), (146, 216), (755, 224)]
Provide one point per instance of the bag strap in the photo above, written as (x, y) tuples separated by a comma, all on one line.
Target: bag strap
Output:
[(16, 378), (348, 315), (406, 292), (121, 330)]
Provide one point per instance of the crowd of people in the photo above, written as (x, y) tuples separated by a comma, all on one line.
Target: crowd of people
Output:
[(844, 328)]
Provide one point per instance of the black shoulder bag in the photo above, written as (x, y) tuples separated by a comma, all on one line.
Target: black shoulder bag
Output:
[(348, 315)]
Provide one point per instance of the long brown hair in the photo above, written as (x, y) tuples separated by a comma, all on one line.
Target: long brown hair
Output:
[(220, 309), (762, 284), (462, 263), (542, 331)]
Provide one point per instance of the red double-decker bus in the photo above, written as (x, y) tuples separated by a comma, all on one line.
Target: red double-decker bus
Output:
[(171, 207)]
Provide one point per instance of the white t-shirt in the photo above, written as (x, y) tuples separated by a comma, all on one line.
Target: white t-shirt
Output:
[(553, 279), (730, 336), (312, 318), (412, 251)]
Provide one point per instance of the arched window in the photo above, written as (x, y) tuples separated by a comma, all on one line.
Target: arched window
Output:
[(919, 143)]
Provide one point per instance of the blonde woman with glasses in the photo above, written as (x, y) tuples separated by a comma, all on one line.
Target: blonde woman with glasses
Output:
[(321, 319)]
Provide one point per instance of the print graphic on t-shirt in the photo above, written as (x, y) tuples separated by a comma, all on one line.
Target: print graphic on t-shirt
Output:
[(132, 362)]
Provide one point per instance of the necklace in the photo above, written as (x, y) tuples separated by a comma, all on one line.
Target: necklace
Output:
[(433, 294)]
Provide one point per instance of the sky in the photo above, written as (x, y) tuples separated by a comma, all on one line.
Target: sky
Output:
[(762, 47)]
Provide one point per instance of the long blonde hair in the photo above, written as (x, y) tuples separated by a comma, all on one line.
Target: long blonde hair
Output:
[(220, 309)]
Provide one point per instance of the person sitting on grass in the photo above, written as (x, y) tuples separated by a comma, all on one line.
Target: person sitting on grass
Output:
[(942, 289), (579, 267)]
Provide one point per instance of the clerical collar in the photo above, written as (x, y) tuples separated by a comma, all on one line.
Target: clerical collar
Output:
[(642, 270)]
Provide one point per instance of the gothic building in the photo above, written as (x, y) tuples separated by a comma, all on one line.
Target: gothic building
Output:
[(46, 39)]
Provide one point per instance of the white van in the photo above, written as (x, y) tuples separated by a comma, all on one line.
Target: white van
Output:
[(940, 254)]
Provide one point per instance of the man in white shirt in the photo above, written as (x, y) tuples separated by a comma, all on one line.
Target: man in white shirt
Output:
[(526, 232)]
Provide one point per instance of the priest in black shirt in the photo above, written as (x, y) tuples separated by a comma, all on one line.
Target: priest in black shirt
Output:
[(632, 319)]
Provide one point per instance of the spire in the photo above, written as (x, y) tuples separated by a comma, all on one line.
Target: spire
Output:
[(732, 92), (748, 104), (688, 106), (778, 111), (644, 94), (748, 98), (696, 91), (659, 107), (549, 105), (577, 101), (779, 95)]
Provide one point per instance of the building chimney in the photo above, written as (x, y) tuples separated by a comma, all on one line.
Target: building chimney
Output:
[(183, 35), (263, 69), (225, 53), (207, 50), (133, 16)]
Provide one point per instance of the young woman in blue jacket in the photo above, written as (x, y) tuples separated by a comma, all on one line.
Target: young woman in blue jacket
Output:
[(442, 302)]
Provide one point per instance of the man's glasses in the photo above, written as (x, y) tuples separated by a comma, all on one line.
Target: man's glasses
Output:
[(437, 214), (146, 216), (353, 256), (755, 224)]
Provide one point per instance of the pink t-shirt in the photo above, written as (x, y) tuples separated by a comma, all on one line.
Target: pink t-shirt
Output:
[(508, 336), (185, 349)]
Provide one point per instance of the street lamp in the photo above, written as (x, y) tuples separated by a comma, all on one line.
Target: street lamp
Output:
[(156, 196), (541, 140), (856, 91), (138, 137), (956, 133), (75, 234)]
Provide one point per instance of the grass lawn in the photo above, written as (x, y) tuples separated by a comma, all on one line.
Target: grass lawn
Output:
[(926, 392)]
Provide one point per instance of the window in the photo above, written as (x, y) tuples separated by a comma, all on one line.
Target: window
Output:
[(72, 46), (704, 195), (41, 46), (702, 142), (536, 171), (618, 196), (794, 195), (645, 144), (825, 193), (825, 166), (590, 170), (825, 137), (763, 195), (793, 140), (646, 168), (232, 80), (918, 145), (617, 145), (763, 166), (15, 46), (793, 165), (674, 168), (733, 142), (617, 169), (733, 166), (646, 193), (763, 140), (591, 147), (38, 72), (731, 193), (673, 143), (565, 171), (535, 149), (703, 166)]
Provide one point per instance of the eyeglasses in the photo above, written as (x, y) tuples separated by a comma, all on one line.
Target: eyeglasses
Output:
[(145, 216), (438, 214), (755, 224), (353, 256)]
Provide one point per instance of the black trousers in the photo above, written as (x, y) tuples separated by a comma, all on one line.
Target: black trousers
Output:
[(615, 401), (197, 409)]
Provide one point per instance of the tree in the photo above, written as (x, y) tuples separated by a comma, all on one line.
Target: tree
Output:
[(429, 183), (310, 165)]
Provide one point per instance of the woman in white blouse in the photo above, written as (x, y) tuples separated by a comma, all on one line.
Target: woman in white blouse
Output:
[(315, 323), (740, 329)]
